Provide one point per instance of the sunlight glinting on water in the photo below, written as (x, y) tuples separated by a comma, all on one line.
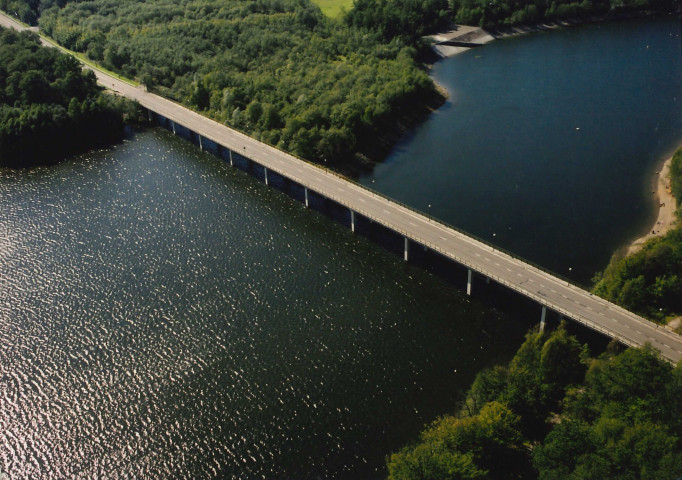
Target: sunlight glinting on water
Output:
[(163, 316)]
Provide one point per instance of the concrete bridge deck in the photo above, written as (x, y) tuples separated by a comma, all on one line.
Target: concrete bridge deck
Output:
[(551, 292), (554, 293)]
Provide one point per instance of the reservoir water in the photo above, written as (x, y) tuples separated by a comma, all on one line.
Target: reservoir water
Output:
[(548, 142), (165, 316)]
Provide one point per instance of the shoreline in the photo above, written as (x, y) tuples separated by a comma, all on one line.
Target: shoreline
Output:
[(461, 38), (665, 219)]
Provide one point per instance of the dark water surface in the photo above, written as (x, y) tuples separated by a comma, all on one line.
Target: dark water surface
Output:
[(163, 316), (548, 142)]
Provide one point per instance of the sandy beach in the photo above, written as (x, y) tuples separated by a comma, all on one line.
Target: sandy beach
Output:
[(666, 209)]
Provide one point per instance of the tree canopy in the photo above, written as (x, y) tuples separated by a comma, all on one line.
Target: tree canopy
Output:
[(409, 19), (505, 408), (277, 69), (514, 12), (625, 423), (554, 413), (49, 107)]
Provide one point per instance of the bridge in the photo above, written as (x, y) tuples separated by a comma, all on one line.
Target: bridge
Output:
[(416, 229)]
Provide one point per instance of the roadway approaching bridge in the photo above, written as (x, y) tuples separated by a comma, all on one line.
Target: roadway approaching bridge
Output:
[(416, 228)]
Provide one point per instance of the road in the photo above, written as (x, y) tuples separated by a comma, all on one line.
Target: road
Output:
[(554, 293)]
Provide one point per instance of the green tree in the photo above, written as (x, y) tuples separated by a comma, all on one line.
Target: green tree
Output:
[(49, 108)]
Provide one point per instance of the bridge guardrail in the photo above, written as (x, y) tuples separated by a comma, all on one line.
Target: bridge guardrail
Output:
[(331, 195), (378, 194)]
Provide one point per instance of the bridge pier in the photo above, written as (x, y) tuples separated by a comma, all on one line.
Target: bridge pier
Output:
[(542, 319), (266, 176), (406, 254), (201, 145), (352, 221), (613, 325)]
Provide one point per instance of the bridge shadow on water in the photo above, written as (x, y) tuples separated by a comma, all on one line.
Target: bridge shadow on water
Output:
[(487, 291)]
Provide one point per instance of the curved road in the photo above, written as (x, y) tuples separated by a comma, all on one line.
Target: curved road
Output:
[(552, 292)]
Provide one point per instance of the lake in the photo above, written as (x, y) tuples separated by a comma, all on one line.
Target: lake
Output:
[(165, 316), (548, 142)]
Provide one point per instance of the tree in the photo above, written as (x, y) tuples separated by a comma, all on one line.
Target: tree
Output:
[(423, 463), (48, 106)]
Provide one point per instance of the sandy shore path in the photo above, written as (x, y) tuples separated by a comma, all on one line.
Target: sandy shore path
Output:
[(666, 209)]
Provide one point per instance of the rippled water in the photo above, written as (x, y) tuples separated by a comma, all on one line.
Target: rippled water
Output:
[(165, 316)]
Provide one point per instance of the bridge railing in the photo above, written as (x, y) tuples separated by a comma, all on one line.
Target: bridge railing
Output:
[(378, 194), (444, 224)]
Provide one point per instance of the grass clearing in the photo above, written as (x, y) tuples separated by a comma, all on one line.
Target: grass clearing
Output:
[(334, 8)]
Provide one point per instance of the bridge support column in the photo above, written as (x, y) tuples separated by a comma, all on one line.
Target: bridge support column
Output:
[(487, 280), (266, 176), (201, 145), (173, 125), (231, 161), (352, 221), (468, 281), (149, 115), (307, 204), (406, 254), (542, 319)]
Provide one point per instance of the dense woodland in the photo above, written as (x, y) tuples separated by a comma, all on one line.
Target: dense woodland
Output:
[(555, 414), (49, 107), (276, 69), (650, 281), (407, 19)]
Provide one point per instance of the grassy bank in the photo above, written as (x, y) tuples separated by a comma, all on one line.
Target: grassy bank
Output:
[(334, 8)]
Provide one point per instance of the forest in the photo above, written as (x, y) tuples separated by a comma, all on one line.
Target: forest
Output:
[(554, 413), (278, 70), (650, 281), (49, 107)]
